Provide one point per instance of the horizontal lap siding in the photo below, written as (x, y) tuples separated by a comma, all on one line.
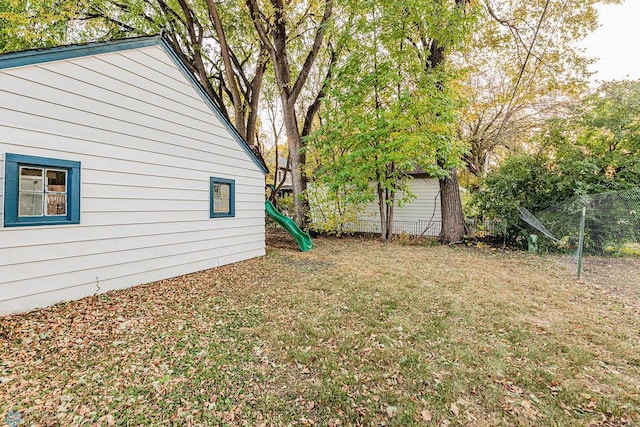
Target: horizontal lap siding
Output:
[(424, 208), (115, 263), (426, 203), (148, 145), (118, 241), (79, 290), (1, 189)]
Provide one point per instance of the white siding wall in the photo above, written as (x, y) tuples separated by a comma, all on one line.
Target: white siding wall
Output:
[(148, 145), (287, 180), (1, 191), (424, 208)]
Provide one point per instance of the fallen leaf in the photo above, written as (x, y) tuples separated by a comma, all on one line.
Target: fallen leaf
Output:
[(454, 409), (392, 410)]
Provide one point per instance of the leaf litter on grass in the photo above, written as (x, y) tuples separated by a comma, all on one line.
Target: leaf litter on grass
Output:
[(355, 332)]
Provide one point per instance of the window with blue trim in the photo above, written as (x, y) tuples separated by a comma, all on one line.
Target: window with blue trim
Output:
[(222, 197), (41, 191)]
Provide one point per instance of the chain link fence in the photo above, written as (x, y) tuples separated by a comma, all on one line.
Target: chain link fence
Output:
[(610, 224)]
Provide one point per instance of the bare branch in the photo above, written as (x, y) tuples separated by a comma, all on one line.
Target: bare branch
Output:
[(258, 18), (226, 59), (313, 53), (315, 105)]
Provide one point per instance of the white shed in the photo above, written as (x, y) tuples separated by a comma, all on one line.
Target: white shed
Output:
[(116, 169), (419, 217)]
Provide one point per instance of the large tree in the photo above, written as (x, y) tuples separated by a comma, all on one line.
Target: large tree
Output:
[(294, 37), (390, 109), (524, 66), (453, 227)]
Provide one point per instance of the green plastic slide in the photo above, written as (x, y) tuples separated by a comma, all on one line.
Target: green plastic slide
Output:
[(302, 238)]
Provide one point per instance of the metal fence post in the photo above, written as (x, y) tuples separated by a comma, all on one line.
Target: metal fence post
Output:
[(581, 239)]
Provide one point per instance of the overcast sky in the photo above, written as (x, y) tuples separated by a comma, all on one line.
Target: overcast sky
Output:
[(616, 42)]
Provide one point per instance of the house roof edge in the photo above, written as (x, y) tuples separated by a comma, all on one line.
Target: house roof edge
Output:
[(59, 53)]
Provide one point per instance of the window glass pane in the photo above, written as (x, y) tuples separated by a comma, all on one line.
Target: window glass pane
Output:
[(56, 180), (224, 191), (219, 206), (221, 190), (221, 198), (56, 204), (30, 204), (31, 179)]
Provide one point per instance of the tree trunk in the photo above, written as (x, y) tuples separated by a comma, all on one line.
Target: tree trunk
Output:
[(450, 202), (391, 199), (386, 205), (382, 208), (273, 34), (297, 159), (453, 228), (253, 94), (232, 84), (274, 189)]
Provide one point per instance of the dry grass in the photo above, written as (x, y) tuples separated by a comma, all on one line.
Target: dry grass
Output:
[(355, 332), (619, 276)]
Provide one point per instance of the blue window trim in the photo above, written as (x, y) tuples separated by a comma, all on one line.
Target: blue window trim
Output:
[(232, 197), (11, 190)]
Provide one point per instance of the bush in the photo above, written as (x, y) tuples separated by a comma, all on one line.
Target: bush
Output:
[(522, 181)]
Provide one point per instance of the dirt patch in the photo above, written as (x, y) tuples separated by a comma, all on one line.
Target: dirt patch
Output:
[(277, 238), (617, 276)]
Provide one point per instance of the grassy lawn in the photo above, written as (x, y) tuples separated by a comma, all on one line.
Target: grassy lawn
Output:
[(355, 332)]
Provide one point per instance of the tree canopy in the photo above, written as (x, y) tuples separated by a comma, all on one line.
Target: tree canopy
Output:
[(380, 88), (523, 66), (594, 149), (387, 112)]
